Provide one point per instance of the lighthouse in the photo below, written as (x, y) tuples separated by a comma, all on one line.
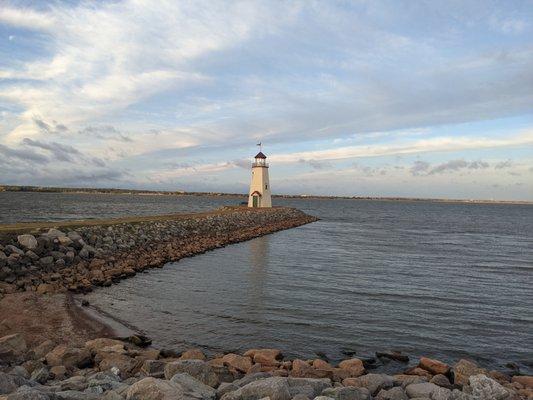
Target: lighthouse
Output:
[(259, 195)]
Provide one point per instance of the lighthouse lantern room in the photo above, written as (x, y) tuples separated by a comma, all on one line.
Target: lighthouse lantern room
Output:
[(259, 195)]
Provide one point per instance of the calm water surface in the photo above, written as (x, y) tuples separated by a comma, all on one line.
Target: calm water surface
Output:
[(443, 280), (28, 206)]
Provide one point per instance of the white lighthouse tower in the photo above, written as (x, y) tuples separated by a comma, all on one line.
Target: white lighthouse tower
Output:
[(259, 195)]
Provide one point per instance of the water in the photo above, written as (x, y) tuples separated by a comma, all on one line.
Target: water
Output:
[(445, 280), (32, 206)]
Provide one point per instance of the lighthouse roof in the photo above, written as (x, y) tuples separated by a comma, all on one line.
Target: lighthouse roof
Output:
[(260, 155)]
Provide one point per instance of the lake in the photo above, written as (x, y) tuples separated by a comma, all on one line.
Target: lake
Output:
[(445, 280)]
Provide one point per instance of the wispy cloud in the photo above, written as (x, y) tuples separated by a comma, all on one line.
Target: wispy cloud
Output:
[(457, 165), (26, 18), (504, 164), (439, 144)]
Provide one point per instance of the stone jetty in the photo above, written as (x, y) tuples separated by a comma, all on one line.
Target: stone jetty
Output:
[(127, 368), (78, 256)]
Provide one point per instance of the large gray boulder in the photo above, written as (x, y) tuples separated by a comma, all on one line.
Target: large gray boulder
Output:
[(441, 380), (441, 393), (192, 387), (420, 390), (373, 382), (76, 395), (458, 395), (10, 249), (226, 387), (12, 347), (196, 368), (3, 259), (77, 382), (40, 375), (310, 387), (481, 387), (406, 380), (19, 370), (156, 389), (54, 233), (28, 393), (87, 251), (102, 381), (347, 393), (154, 368), (28, 242), (277, 388), (396, 393), (111, 395), (9, 383), (74, 236)]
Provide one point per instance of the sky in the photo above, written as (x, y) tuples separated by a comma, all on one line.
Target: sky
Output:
[(363, 98)]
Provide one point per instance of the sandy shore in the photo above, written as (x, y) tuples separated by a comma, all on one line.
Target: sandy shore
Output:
[(53, 317)]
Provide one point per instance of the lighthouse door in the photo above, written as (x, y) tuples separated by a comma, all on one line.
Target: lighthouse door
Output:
[(255, 201)]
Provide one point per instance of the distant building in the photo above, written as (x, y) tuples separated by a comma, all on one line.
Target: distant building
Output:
[(259, 195)]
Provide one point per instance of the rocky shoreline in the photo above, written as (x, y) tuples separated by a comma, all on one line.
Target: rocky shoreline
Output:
[(80, 257), (51, 350), (128, 368)]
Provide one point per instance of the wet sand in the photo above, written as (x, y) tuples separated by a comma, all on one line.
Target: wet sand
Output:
[(54, 317)]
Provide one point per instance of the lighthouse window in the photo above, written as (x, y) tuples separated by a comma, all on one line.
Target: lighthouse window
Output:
[(266, 186)]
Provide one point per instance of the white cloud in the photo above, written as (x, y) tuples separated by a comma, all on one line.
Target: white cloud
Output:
[(438, 144), (110, 57), (26, 18)]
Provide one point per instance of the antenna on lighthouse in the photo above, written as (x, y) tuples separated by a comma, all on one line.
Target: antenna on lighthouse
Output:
[(260, 146)]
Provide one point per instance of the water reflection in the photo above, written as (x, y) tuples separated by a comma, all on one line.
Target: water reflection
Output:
[(259, 251)]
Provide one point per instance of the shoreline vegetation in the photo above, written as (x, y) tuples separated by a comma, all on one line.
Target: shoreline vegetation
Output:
[(48, 189)]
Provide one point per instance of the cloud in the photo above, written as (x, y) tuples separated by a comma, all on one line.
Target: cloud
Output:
[(50, 128), (504, 164), (317, 164), (22, 155), (424, 168), (245, 164), (107, 132), (420, 167), (369, 172), (437, 144), (456, 165), (509, 25), (47, 176), (26, 18), (64, 153), (83, 80), (60, 152)]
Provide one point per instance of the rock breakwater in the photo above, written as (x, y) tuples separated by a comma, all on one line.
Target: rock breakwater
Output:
[(80, 257), (112, 369)]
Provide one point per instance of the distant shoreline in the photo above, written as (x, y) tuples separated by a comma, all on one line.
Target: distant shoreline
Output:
[(49, 189)]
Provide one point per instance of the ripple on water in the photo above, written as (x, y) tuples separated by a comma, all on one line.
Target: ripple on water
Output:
[(435, 279)]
